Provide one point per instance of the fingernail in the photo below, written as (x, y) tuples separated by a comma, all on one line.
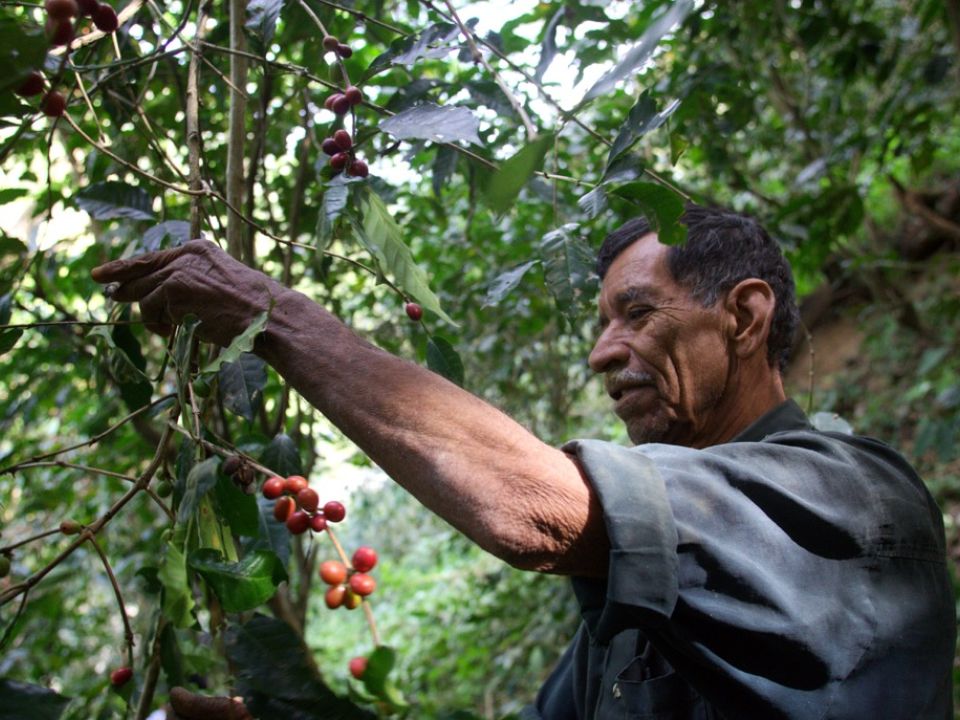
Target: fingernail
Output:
[(111, 288)]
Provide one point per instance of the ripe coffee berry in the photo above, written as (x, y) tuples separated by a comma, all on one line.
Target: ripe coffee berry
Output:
[(105, 18), (294, 484), (340, 105), (273, 488), (364, 559), (88, 7), (330, 43), (362, 584), (318, 523), (330, 147), (298, 522), (333, 572), (70, 527), (231, 465), (334, 511), (308, 499), (335, 596), (32, 85), (353, 95), (344, 51), (358, 168), (283, 509), (414, 311), (61, 9), (339, 161), (343, 140), (358, 666), (59, 32), (53, 104), (331, 99), (121, 676)]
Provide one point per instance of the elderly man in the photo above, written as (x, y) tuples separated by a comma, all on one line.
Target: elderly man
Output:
[(734, 564)]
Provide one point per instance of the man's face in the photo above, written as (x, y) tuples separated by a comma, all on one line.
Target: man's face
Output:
[(664, 355)]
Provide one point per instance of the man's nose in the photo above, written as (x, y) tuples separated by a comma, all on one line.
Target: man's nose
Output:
[(609, 352)]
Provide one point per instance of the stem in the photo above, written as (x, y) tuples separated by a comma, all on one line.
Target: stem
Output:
[(237, 130), (193, 128), (127, 630), (30, 539), (86, 323), (152, 675)]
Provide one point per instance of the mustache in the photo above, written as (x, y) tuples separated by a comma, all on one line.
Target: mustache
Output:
[(616, 381)]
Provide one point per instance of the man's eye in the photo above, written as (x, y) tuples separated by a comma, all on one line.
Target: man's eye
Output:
[(639, 312)]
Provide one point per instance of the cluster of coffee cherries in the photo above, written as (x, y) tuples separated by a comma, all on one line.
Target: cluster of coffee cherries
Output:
[(241, 472), (298, 505), (60, 30), (340, 146), (348, 586)]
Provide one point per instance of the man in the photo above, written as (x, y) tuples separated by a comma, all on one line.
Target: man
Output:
[(734, 564)]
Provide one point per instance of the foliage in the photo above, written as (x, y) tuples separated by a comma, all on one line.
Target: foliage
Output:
[(497, 162)]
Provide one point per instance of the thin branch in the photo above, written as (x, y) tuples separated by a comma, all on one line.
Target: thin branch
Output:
[(62, 323), (26, 541), (363, 17), (127, 630), (193, 126), (236, 131)]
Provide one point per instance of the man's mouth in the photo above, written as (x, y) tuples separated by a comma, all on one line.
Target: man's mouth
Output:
[(623, 383)]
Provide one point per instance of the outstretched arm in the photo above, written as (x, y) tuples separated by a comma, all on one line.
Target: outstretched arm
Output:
[(515, 496)]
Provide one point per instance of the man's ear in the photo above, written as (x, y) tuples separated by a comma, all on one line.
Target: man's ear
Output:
[(751, 304)]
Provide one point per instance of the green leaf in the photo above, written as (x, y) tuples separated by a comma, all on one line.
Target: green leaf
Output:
[(435, 42), (272, 534), (10, 194), (171, 658), (153, 238), (335, 197), (376, 678), (381, 235), (22, 49), (594, 202), (568, 266), (201, 480), (177, 597), (429, 121), (21, 700), (242, 585), (548, 50), (13, 254), (9, 338), (501, 188), (282, 456), (242, 383), (242, 343), (660, 205), (238, 509), (112, 199), (505, 282), (444, 360), (643, 118), (262, 18)]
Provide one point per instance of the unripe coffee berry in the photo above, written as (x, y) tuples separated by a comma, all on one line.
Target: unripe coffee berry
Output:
[(105, 18), (414, 311), (362, 584), (333, 572), (53, 104), (364, 559), (294, 484), (358, 168), (61, 9), (335, 596), (344, 51), (340, 105), (318, 523), (308, 499), (121, 676), (70, 527), (5, 566), (358, 666), (283, 509), (343, 140), (164, 489), (354, 95), (298, 522), (351, 601), (330, 146), (273, 488), (330, 43), (32, 85), (334, 511)]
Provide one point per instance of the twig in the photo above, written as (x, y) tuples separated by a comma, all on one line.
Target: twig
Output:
[(343, 68), (127, 630), (236, 131), (192, 112), (363, 17), (152, 675), (58, 323), (91, 37), (32, 538), (9, 630)]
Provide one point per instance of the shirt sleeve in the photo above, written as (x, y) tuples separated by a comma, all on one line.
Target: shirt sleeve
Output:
[(754, 567)]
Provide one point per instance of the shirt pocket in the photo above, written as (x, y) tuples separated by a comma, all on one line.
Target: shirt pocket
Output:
[(664, 697)]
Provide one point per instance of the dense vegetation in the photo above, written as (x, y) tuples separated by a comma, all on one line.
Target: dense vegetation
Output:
[(499, 144)]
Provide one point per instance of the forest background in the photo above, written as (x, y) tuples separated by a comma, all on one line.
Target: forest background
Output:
[(494, 146)]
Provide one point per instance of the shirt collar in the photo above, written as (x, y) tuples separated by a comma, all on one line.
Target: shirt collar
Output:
[(785, 416)]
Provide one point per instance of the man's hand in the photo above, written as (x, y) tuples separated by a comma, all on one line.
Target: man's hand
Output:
[(185, 705), (196, 278)]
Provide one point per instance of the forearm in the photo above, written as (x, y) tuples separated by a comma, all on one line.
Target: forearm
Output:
[(514, 495)]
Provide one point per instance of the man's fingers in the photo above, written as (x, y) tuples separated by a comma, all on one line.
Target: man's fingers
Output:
[(199, 707), (136, 267)]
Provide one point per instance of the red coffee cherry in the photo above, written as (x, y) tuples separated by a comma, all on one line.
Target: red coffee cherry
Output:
[(318, 523), (308, 499), (358, 168), (294, 484), (333, 572), (362, 584), (283, 509), (53, 104), (335, 596), (414, 311), (364, 559), (329, 146), (121, 676), (298, 522), (32, 85), (328, 103), (354, 95), (61, 9), (334, 511), (344, 51), (351, 601), (105, 18), (340, 105), (273, 487), (358, 666), (70, 527), (343, 140), (339, 161), (59, 32), (88, 7), (330, 43)]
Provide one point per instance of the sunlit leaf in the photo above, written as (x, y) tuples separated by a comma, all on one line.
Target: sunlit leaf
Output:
[(643, 118), (241, 585), (236, 508), (242, 343), (433, 122), (660, 205), (505, 282), (502, 187), (201, 479), (568, 265), (177, 595), (262, 18)]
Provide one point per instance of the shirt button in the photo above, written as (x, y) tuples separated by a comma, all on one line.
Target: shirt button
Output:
[(616, 690)]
